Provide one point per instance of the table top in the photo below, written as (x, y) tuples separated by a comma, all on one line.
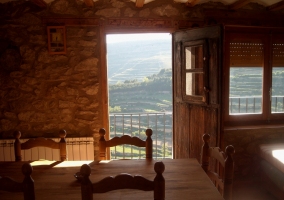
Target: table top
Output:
[(184, 179)]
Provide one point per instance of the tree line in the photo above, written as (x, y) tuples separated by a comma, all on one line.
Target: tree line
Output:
[(156, 82)]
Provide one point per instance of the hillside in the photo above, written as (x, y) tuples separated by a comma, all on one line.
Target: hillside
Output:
[(131, 60), (153, 94)]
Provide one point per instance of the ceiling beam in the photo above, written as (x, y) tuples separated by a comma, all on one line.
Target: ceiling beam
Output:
[(276, 6), (238, 4), (140, 3), (192, 3), (89, 3), (40, 3)]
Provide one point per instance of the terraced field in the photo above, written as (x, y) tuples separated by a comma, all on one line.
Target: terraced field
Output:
[(135, 60)]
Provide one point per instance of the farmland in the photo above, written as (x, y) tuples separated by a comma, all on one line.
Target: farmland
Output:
[(140, 81)]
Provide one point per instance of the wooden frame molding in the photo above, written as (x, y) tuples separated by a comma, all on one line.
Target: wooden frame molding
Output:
[(122, 23), (143, 23), (138, 23), (104, 84)]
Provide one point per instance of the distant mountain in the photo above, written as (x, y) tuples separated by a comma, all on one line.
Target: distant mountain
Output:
[(137, 59)]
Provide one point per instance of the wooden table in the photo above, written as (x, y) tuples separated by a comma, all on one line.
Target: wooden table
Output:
[(184, 178)]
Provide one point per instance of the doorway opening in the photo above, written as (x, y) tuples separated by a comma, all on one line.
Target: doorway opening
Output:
[(140, 91)]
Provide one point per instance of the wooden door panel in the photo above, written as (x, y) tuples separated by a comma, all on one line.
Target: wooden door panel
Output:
[(196, 123), (214, 70), (190, 120), (182, 141)]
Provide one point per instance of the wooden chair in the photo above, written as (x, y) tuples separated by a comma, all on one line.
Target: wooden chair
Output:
[(123, 181), (40, 142), (125, 139), (223, 174), (27, 186)]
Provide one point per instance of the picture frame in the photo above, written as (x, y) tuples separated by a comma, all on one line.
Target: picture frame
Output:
[(56, 39)]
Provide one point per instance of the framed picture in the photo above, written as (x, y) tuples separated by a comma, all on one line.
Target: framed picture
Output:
[(56, 39)]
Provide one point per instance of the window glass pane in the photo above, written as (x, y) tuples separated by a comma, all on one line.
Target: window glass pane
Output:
[(277, 92), (194, 84), (194, 57), (245, 90), (246, 77)]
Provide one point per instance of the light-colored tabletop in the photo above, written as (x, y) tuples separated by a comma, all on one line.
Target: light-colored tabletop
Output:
[(184, 178)]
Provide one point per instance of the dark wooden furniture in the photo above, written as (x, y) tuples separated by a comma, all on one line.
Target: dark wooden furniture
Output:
[(26, 187), (184, 178), (125, 139), (222, 172), (123, 181), (40, 142)]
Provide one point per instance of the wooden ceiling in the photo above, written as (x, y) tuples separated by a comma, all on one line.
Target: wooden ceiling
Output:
[(271, 5)]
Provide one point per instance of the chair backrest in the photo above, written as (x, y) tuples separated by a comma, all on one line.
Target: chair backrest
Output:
[(27, 186), (123, 181), (40, 142), (222, 172), (125, 139)]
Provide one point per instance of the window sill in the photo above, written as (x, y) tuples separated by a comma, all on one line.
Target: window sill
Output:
[(246, 127)]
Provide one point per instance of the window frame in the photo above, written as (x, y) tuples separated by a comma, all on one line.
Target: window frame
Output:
[(195, 99), (104, 67), (275, 37), (266, 35)]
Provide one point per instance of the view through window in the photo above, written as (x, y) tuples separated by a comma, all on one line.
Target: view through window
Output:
[(256, 71), (246, 74), (140, 91)]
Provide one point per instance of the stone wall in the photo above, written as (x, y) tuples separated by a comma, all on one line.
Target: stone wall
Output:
[(42, 93)]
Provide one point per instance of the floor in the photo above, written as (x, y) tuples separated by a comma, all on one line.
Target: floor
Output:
[(250, 190)]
